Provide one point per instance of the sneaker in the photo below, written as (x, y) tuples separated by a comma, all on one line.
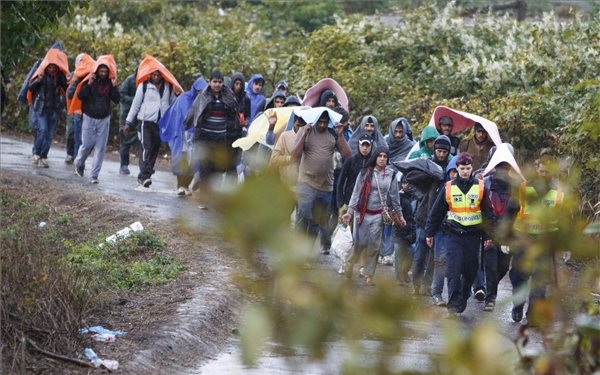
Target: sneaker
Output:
[(43, 163), (180, 191), (79, 170), (479, 295), (147, 182), (124, 170), (489, 306), (369, 281), (188, 192), (94, 180), (361, 272), (69, 159), (325, 251), (438, 301), (35, 160), (388, 260)]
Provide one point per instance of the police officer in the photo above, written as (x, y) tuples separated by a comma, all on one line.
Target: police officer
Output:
[(539, 200), (457, 210)]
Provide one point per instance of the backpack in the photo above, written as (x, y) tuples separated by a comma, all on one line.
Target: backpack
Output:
[(496, 201)]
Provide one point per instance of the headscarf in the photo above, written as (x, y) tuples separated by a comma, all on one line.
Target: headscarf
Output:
[(378, 139), (367, 173), (399, 148)]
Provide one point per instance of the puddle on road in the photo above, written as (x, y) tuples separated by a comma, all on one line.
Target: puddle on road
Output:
[(275, 360)]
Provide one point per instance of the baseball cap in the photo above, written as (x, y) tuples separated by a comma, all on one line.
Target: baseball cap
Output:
[(365, 138)]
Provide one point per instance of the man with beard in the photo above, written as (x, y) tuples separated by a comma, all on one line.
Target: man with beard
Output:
[(95, 96), (315, 146), (478, 146)]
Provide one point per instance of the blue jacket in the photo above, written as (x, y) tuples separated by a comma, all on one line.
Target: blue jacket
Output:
[(171, 123)]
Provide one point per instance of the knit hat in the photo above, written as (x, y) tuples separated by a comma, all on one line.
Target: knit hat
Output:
[(464, 158), (442, 143), (479, 127)]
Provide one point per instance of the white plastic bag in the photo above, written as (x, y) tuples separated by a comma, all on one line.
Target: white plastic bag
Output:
[(341, 245)]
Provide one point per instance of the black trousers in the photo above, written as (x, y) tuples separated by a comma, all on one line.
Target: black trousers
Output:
[(149, 149), (496, 267)]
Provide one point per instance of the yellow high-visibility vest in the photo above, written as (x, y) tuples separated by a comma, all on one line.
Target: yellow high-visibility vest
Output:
[(537, 218), (465, 209)]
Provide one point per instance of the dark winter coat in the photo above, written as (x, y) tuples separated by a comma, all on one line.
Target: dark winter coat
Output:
[(348, 174), (96, 97)]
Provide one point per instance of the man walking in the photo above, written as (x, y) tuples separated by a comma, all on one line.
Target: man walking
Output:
[(152, 99), (96, 95)]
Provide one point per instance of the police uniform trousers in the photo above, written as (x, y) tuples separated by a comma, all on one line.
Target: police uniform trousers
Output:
[(462, 262)]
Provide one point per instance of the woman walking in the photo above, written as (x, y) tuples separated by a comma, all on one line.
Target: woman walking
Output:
[(375, 192)]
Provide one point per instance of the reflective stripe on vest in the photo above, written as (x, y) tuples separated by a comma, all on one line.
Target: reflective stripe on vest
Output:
[(529, 218), (465, 209)]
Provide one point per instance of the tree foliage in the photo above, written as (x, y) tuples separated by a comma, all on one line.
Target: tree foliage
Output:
[(537, 80), (25, 27)]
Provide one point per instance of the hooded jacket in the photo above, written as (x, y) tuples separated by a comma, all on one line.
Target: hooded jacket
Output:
[(96, 97), (256, 100), (271, 102), (348, 175), (399, 148), (242, 98), (171, 124), (429, 132), (325, 96)]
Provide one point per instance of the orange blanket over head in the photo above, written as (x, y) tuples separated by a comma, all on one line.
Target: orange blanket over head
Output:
[(149, 65)]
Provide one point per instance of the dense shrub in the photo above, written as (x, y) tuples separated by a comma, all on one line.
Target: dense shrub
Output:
[(536, 79)]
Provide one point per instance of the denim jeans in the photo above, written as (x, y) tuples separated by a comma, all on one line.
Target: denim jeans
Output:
[(387, 241), (439, 261), (420, 274), (77, 124), (46, 127), (313, 211)]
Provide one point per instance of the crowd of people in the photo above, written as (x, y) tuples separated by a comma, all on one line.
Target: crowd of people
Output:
[(447, 212)]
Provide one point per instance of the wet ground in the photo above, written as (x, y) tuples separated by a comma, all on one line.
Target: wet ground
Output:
[(161, 201)]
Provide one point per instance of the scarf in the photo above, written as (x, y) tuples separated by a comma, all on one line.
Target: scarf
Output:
[(365, 190)]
